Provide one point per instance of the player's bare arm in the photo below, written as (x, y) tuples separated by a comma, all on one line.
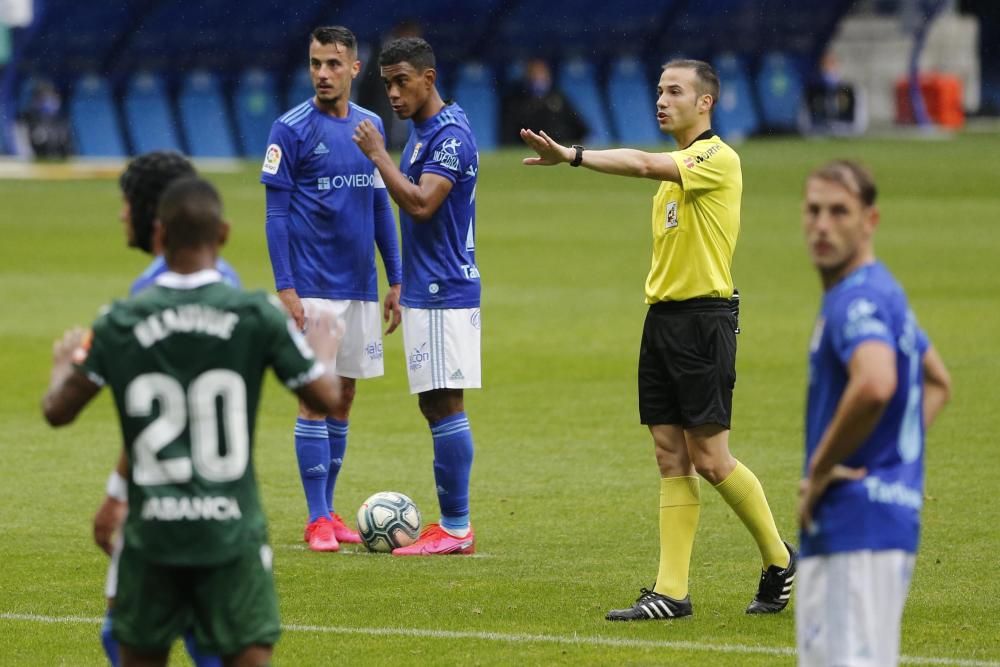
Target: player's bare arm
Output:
[(617, 161), (870, 386), (391, 312), (421, 200), (69, 390), (111, 514), (937, 386)]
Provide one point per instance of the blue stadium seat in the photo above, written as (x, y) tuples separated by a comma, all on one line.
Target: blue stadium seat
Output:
[(476, 92), (734, 116), (147, 115), (780, 91), (300, 88), (204, 117), (578, 82), (94, 119), (632, 104), (256, 107)]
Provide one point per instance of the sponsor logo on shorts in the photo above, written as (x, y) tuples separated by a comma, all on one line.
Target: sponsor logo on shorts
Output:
[(457, 375), (194, 508), (374, 350), (418, 357), (474, 319)]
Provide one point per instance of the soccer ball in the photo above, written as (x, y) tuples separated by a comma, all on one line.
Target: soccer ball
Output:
[(388, 520)]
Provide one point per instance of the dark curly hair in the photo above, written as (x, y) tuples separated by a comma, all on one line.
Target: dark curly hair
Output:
[(411, 50), (143, 182)]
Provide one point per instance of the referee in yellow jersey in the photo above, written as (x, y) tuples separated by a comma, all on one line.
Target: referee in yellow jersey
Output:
[(687, 359)]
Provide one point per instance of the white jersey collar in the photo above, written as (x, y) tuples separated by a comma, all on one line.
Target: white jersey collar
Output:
[(188, 280)]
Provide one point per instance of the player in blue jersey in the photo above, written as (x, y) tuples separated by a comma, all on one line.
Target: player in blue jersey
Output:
[(875, 386), (436, 193), (141, 183), (327, 208)]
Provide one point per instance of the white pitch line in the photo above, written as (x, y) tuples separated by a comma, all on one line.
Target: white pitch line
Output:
[(574, 640)]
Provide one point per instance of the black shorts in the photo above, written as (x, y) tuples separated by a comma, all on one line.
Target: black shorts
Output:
[(687, 363)]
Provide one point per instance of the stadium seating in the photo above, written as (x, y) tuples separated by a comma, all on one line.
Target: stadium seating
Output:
[(300, 88), (94, 118), (780, 91), (578, 81), (204, 117), (255, 102), (735, 116), (631, 103), (147, 115), (476, 92)]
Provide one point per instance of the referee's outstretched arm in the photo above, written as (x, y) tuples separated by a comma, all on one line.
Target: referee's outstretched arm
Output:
[(619, 161)]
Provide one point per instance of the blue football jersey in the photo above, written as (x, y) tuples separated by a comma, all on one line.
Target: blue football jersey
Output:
[(882, 511), (331, 242), (439, 255), (159, 266)]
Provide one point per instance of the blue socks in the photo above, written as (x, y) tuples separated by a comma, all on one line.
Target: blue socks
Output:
[(452, 466), (337, 431), (197, 657), (108, 641), (312, 448), (111, 647)]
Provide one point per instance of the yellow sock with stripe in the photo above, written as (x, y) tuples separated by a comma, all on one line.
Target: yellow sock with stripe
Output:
[(742, 492), (680, 506)]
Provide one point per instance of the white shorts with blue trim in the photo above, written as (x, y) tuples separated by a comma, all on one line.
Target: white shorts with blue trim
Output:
[(360, 353), (849, 607), (442, 348)]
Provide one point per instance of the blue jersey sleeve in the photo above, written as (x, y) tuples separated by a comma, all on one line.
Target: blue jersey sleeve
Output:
[(229, 275), (385, 236), (452, 154), (276, 230), (278, 170), (858, 317)]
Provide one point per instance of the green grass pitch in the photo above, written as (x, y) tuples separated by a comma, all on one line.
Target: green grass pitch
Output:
[(564, 487)]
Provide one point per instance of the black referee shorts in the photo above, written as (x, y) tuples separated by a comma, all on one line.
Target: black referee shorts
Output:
[(687, 363)]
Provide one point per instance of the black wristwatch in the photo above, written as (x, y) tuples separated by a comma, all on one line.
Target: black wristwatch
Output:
[(579, 156)]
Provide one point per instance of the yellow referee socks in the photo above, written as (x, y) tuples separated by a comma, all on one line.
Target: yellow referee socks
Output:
[(680, 506), (743, 492)]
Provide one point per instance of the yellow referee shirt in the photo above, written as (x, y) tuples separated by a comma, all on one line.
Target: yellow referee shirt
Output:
[(695, 224)]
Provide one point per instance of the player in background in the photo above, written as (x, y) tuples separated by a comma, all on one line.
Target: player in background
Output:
[(687, 358), (141, 183), (326, 210), (875, 385), (435, 190), (185, 361)]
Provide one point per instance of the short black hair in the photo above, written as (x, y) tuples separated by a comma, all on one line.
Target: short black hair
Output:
[(708, 80), (852, 176), (335, 34), (190, 212), (413, 50), (143, 182)]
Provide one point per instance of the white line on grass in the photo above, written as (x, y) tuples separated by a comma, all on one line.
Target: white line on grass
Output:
[(575, 640)]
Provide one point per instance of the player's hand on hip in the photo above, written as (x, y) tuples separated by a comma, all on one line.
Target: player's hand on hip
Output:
[(109, 518), (392, 310), (368, 138), (293, 304), (549, 151), (812, 488)]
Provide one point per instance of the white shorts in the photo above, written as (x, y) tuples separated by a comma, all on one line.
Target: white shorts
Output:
[(442, 348), (849, 607), (360, 351)]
